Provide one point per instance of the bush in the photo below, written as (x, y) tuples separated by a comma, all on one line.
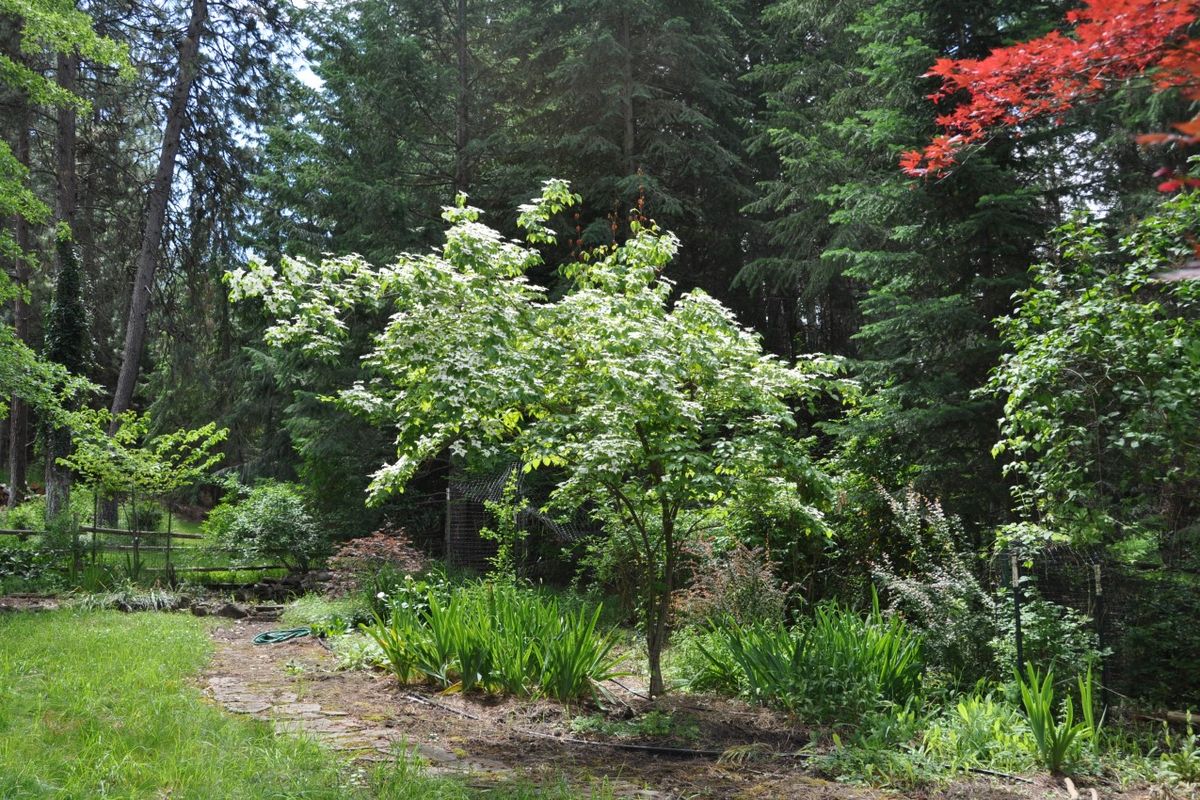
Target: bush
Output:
[(498, 638), (375, 561), (938, 591), (28, 516), (271, 522), (1055, 635), (739, 584), (146, 517), (24, 566), (837, 665)]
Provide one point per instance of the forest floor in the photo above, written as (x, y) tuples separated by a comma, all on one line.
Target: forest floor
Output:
[(370, 717)]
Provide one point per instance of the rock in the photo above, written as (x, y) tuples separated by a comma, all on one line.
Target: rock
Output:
[(232, 611)]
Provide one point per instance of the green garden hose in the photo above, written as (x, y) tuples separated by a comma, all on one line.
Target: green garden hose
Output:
[(275, 637)]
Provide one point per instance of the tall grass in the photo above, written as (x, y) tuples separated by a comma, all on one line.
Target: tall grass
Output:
[(834, 665), (500, 638)]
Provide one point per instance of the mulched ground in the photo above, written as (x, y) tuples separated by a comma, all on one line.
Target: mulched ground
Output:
[(369, 716), (28, 602)]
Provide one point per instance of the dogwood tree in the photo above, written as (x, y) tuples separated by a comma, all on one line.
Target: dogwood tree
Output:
[(648, 410)]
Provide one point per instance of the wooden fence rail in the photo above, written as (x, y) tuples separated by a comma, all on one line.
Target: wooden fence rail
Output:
[(94, 546), (111, 532), (119, 532)]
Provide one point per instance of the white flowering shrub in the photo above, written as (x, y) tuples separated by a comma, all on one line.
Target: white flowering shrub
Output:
[(939, 592)]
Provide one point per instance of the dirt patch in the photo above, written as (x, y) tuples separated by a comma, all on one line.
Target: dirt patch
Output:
[(369, 717), (28, 602)]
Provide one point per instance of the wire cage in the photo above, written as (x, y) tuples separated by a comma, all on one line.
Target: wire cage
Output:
[(467, 514), (1145, 619)]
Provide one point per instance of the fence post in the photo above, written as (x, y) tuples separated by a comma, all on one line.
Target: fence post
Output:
[(1016, 593), (169, 572), (95, 519), (1099, 620), (76, 552)]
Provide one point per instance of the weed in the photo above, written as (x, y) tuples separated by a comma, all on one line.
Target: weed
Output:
[(980, 730), (1180, 759), (652, 724)]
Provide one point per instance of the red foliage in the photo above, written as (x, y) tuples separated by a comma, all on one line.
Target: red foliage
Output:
[(1112, 41), (360, 558)]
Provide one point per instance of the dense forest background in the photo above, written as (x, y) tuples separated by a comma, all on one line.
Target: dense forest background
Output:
[(766, 135)]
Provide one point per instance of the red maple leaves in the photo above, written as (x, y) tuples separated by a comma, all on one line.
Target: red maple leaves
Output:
[(1112, 41)]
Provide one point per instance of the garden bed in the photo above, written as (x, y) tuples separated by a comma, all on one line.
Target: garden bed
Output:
[(666, 748)]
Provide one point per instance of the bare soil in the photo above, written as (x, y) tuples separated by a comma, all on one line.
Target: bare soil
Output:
[(370, 717), (28, 602)]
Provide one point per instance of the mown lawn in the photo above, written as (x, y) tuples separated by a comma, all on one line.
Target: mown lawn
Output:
[(104, 705)]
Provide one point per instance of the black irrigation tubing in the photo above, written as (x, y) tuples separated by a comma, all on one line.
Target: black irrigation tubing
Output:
[(681, 752), (672, 751)]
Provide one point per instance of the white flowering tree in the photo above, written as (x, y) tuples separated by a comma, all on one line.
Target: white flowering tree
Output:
[(646, 409)]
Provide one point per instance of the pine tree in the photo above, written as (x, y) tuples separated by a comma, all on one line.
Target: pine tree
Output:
[(639, 102), (925, 268)]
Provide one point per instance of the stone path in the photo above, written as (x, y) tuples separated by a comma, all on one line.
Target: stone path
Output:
[(247, 679)]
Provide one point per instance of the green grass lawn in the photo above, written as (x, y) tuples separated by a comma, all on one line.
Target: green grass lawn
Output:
[(105, 705)]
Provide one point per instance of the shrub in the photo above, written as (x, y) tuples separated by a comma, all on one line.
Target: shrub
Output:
[(739, 584), (938, 591), (386, 553), (27, 516), (836, 665), (1055, 635), (146, 517), (24, 566), (271, 522)]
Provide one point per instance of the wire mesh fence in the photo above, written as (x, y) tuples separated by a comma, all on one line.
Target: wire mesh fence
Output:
[(468, 496), (1144, 621)]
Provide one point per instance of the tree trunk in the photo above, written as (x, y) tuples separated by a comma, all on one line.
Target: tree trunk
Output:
[(660, 603), (627, 142), (18, 415), (462, 169), (156, 212), (58, 442)]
